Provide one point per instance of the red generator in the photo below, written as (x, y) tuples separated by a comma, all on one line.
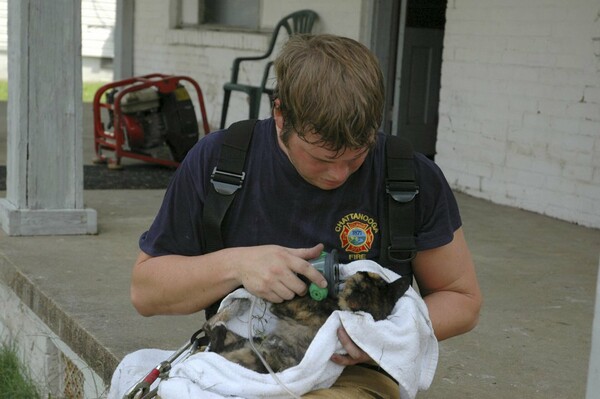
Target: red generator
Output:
[(150, 118)]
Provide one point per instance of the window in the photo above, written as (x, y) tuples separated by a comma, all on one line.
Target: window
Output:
[(192, 14)]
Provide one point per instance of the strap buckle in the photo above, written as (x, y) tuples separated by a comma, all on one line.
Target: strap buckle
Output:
[(401, 255), (226, 183), (402, 191)]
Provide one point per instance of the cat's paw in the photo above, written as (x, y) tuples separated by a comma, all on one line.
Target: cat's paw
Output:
[(217, 334)]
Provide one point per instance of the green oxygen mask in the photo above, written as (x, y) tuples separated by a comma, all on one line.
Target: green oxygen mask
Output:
[(329, 266)]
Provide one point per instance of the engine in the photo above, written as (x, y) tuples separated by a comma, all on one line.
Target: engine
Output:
[(157, 124)]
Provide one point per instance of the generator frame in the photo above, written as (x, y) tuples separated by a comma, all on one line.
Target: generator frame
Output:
[(115, 140)]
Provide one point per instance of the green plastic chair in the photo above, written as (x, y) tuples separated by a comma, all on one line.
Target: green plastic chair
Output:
[(297, 22)]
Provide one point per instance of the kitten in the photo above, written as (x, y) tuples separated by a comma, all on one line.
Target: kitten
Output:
[(300, 319)]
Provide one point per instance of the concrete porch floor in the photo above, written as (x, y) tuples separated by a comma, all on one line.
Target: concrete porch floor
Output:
[(538, 277)]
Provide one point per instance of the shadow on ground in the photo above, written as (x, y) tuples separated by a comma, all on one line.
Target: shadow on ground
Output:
[(131, 177)]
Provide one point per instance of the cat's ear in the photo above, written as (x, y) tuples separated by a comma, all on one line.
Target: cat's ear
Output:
[(400, 286)]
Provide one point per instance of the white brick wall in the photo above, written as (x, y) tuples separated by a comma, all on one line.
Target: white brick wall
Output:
[(44, 353), (207, 56), (520, 104)]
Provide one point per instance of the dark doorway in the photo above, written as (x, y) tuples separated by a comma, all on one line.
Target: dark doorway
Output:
[(408, 38), (421, 71)]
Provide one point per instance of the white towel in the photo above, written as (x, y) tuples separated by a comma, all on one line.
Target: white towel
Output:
[(403, 345)]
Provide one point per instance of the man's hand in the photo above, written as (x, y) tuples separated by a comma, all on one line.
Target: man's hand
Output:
[(271, 272), (355, 354)]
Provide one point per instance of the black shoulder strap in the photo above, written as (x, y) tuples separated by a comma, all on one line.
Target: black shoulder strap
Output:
[(226, 178), (398, 231)]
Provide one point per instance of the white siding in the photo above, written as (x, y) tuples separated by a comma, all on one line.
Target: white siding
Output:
[(97, 28), (3, 25), (520, 105)]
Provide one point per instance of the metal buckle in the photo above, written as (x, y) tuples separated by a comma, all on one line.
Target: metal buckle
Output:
[(226, 183)]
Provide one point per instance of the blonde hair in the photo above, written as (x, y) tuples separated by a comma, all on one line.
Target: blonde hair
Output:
[(332, 86)]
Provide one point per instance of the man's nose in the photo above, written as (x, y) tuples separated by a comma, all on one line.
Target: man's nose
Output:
[(339, 172)]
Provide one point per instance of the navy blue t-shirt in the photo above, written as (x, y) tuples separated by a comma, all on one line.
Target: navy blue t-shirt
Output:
[(277, 206)]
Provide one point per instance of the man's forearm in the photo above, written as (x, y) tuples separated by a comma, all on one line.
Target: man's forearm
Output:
[(174, 284)]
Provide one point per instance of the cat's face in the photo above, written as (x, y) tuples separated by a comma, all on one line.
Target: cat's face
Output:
[(369, 292)]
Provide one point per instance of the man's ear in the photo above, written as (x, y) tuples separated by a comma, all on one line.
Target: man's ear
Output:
[(277, 116)]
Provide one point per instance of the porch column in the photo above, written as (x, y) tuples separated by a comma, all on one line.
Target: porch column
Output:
[(44, 182), (123, 61)]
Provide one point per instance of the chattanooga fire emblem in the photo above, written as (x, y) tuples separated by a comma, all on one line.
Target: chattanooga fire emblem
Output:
[(357, 232), (356, 237)]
